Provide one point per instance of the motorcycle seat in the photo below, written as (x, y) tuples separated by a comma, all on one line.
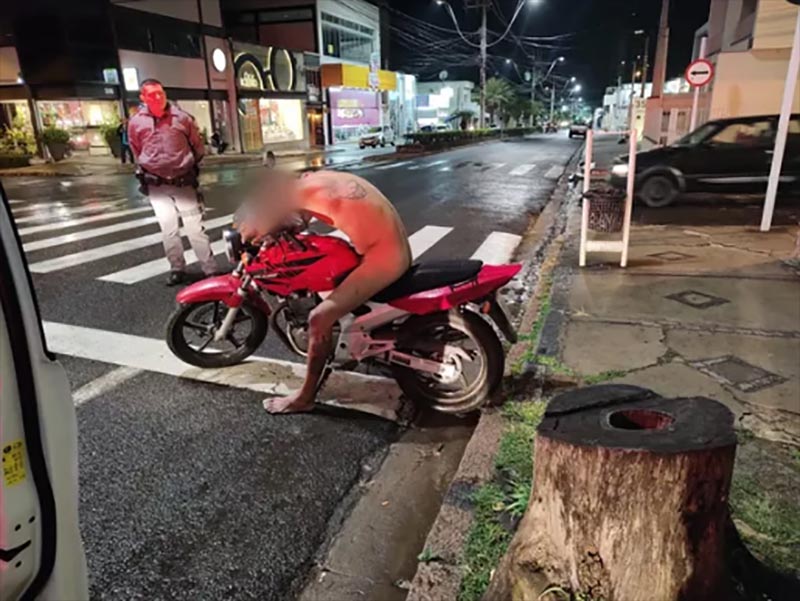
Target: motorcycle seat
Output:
[(427, 276)]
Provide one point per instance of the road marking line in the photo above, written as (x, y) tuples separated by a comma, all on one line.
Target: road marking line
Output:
[(425, 238), (554, 172), (522, 169), (88, 234), (59, 225), (448, 168), (260, 374), (498, 165), (497, 249), (16, 202), (151, 269), (104, 384), (117, 248), (393, 165), (434, 163), (64, 212)]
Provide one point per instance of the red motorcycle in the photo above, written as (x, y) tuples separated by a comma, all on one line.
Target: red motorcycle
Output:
[(429, 328)]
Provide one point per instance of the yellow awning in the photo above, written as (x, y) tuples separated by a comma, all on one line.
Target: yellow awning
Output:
[(355, 76)]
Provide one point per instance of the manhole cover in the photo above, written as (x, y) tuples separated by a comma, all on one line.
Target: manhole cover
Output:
[(697, 300), (738, 373)]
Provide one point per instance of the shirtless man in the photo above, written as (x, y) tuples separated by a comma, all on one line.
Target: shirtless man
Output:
[(358, 209)]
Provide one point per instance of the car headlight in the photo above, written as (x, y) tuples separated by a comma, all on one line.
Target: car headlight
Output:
[(620, 170)]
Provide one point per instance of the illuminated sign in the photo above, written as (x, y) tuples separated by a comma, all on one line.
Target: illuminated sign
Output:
[(279, 74), (219, 60), (130, 75)]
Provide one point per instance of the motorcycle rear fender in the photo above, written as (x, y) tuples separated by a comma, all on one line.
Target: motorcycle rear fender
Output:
[(489, 279), (224, 288)]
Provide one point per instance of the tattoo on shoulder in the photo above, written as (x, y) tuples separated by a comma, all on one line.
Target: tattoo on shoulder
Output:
[(353, 190)]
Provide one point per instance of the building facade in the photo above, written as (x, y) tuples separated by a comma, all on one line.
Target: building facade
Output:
[(78, 66), (439, 101)]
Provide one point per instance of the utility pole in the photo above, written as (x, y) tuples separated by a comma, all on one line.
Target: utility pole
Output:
[(552, 103), (646, 65), (484, 33), (660, 65), (533, 90)]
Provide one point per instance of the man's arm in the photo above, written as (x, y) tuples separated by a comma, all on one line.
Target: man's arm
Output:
[(133, 140), (196, 141)]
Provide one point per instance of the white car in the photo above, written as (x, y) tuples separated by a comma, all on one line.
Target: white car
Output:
[(377, 136), (41, 554), (578, 129)]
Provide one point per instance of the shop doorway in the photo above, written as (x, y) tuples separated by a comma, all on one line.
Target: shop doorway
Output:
[(316, 126)]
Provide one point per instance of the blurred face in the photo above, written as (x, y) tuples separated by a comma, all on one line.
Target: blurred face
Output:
[(155, 98)]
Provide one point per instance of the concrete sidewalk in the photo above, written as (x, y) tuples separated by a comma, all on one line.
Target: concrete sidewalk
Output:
[(108, 165), (710, 310)]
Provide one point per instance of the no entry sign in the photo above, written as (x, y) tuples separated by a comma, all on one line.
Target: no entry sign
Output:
[(699, 73)]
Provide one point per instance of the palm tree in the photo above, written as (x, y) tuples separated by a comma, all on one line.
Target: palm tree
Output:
[(498, 95)]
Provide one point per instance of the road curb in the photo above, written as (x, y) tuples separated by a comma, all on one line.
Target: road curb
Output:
[(441, 579)]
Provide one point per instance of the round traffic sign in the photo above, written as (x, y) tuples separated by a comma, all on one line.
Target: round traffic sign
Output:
[(699, 72)]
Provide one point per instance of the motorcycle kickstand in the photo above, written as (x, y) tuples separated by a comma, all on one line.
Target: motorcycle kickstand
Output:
[(323, 378)]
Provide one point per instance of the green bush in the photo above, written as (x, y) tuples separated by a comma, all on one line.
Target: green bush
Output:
[(109, 132), (440, 139), (18, 139), (55, 135)]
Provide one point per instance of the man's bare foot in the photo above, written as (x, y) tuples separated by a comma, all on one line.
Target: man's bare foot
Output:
[(294, 403)]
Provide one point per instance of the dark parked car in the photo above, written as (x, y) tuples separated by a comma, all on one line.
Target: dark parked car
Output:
[(727, 155)]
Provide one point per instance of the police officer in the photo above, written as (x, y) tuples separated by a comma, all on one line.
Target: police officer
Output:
[(168, 148)]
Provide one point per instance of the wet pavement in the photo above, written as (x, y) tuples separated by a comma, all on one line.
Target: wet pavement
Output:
[(188, 488)]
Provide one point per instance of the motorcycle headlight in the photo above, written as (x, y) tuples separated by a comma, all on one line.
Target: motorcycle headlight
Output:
[(233, 245), (620, 170)]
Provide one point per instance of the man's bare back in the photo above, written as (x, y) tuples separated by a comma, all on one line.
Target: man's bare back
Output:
[(357, 208)]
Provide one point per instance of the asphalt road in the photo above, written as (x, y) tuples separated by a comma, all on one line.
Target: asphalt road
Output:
[(188, 488)]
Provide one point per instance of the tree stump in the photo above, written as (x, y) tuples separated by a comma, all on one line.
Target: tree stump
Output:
[(629, 500)]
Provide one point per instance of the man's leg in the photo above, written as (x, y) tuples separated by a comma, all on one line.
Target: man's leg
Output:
[(167, 215), (192, 217), (373, 275)]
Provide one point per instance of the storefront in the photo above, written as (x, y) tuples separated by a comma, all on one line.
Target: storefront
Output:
[(356, 99), (271, 89), (82, 119)]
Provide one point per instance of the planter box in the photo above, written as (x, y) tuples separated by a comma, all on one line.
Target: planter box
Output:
[(13, 161)]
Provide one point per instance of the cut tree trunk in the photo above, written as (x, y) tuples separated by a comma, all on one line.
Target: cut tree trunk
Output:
[(629, 500)]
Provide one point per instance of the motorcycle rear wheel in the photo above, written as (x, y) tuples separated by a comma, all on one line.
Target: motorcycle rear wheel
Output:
[(209, 354), (421, 336)]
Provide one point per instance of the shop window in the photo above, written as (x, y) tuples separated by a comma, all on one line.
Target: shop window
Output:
[(345, 39), (285, 16), (281, 120), (134, 37), (175, 43)]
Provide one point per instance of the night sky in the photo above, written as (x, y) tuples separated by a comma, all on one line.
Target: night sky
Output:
[(602, 36)]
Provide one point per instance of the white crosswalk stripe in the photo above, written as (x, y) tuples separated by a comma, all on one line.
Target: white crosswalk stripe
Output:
[(145, 271), (425, 238), (16, 202), (497, 248), (522, 169), (117, 248), (60, 225), (393, 165), (68, 212), (88, 234), (427, 165)]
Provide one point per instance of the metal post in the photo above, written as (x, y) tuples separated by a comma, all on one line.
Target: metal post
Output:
[(533, 90), (696, 96), (783, 130), (646, 66), (626, 226), (587, 175), (552, 103), (483, 65)]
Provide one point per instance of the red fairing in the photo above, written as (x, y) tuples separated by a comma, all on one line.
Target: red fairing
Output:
[(490, 278), (283, 268), (223, 288)]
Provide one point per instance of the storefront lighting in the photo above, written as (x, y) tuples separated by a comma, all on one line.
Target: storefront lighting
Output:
[(219, 60), (130, 75)]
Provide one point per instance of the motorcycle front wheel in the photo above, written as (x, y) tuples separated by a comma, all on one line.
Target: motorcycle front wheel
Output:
[(191, 330), (462, 340)]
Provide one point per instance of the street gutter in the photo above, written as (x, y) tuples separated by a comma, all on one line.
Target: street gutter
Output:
[(441, 578)]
